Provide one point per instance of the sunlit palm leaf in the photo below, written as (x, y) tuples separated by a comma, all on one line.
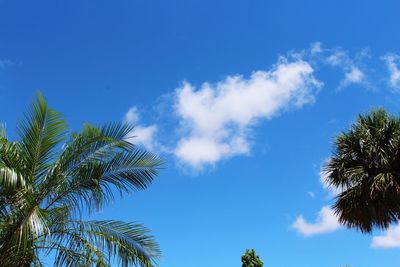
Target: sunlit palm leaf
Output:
[(41, 132), (128, 242)]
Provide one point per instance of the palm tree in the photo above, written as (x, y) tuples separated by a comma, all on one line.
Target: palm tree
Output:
[(366, 167), (250, 259), (51, 178)]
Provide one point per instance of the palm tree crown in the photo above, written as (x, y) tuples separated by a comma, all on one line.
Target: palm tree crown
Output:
[(51, 177), (250, 259), (366, 167)]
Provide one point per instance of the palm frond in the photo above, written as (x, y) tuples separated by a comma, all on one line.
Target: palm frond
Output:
[(105, 241), (41, 132), (93, 144), (92, 181), (3, 131), (10, 179)]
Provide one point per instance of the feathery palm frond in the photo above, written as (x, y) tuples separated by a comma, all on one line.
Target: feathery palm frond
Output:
[(41, 131), (49, 177), (99, 239)]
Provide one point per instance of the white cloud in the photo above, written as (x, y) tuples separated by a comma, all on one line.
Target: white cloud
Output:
[(326, 222), (141, 135), (316, 48), (145, 136), (354, 75), (391, 239), (337, 58), (352, 72), (132, 115), (392, 62), (216, 118)]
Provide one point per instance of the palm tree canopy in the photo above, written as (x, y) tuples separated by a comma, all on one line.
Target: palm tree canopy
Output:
[(366, 167), (250, 259), (51, 177)]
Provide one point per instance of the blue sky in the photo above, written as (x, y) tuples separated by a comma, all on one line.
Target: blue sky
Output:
[(243, 99)]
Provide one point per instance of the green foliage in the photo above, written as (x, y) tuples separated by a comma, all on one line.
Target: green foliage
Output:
[(51, 176), (250, 259), (366, 166)]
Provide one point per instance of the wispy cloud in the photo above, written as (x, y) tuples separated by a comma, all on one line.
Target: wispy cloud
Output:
[(218, 117), (316, 48), (326, 222), (132, 115), (390, 239), (141, 135), (4, 63), (311, 194), (353, 75), (350, 66), (392, 61)]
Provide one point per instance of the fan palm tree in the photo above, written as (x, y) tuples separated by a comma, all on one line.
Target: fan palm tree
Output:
[(50, 179), (366, 167)]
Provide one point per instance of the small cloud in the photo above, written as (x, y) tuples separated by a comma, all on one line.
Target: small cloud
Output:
[(141, 135), (316, 48), (392, 61), (311, 194), (391, 239), (326, 222), (132, 115), (337, 58), (355, 75), (351, 66)]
